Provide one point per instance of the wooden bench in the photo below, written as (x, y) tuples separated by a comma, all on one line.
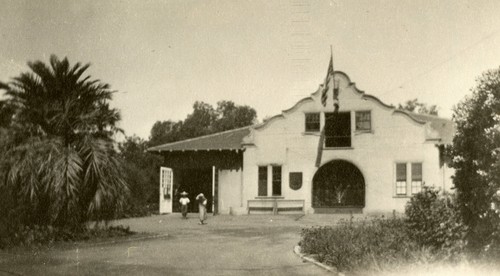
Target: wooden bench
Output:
[(276, 206)]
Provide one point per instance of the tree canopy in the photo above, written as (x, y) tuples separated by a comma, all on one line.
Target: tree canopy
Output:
[(419, 107), (476, 159), (202, 121), (59, 164), (142, 172)]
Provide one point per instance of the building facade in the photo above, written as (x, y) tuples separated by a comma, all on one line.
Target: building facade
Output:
[(339, 150)]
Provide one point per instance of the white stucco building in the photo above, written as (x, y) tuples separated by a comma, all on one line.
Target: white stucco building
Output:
[(367, 157)]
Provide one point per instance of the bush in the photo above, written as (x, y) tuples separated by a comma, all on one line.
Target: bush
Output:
[(137, 209), (38, 235), (476, 159), (380, 244), (434, 221)]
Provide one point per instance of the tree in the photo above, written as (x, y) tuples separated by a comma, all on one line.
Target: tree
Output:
[(200, 122), (416, 106), (231, 116), (164, 132), (142, 171), (204, 120), (476, 159), (59, 162)]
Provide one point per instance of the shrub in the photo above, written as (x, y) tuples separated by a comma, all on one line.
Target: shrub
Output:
[(39, 235), (380, 244), (476, 159), (434, 221), (138, 209)]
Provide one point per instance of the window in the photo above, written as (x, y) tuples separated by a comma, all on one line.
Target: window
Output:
[(262, 181), (276, 180), (401, 179), (312, 122), (295, 180), (338, 129), (363, 121), (416, 178)]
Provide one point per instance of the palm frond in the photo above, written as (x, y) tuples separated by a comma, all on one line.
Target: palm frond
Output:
[(103, 178)]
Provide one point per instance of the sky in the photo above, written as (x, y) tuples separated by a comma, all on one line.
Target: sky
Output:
[(162, 56)]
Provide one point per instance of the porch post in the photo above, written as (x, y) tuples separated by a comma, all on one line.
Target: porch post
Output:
[(214, 200)]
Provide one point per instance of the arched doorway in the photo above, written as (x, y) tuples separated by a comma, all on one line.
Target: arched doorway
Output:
[(338, 183)]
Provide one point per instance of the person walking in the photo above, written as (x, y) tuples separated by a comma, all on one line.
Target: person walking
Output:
[(184, 201), (202, 207)]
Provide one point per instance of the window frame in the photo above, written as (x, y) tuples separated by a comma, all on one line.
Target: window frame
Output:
[(416, 180), (262, 184), (309, 122), (401, 183), (370, 121), (276, 181), (333, 144), (413, 183)]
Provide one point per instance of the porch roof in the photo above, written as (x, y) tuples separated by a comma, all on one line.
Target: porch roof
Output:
[(226, 140)]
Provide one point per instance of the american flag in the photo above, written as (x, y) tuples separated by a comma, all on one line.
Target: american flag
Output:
[(329, 75)]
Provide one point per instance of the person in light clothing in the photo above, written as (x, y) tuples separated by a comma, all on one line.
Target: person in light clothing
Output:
[(202, 206), (184, 201)]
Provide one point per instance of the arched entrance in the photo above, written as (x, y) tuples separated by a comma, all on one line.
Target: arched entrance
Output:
[(338, 183)]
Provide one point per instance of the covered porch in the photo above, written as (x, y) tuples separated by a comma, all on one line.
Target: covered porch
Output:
[(210, 164)]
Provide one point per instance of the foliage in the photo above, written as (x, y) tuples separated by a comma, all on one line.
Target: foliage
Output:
[(476, 160), (204, 120), (231, 116), (164, 132), (433, 221), (58, 162), (380, 244), (416, 106), (39, 235), (142, 176), (138, 208)]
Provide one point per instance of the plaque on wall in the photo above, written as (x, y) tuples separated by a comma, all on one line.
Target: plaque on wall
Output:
[(295, 180)]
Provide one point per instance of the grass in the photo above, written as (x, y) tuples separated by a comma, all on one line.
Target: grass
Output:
[(378, 245)]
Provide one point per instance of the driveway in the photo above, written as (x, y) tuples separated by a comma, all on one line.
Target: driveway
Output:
[(227, 245)]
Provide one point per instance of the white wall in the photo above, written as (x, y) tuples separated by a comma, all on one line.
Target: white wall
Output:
[(229, 190), (394, 138)]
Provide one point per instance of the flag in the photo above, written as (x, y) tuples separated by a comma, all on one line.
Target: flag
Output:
[(324, 94), (320, 147), (329, 75), (324, 97), (336, 96)]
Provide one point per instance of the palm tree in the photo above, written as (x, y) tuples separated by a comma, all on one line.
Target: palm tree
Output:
[(60, 164)]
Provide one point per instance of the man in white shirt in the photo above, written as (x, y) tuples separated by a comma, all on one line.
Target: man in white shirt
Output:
[(184, 201)]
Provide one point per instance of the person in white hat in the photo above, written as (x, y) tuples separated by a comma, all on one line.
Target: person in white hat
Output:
[(184, 201), (202, 207)]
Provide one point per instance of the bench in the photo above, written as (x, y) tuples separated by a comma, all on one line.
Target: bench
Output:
[(276, 206)]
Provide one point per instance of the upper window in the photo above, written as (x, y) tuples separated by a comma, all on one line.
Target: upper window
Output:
[(338, 129), (312, 122), (363, 121)]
